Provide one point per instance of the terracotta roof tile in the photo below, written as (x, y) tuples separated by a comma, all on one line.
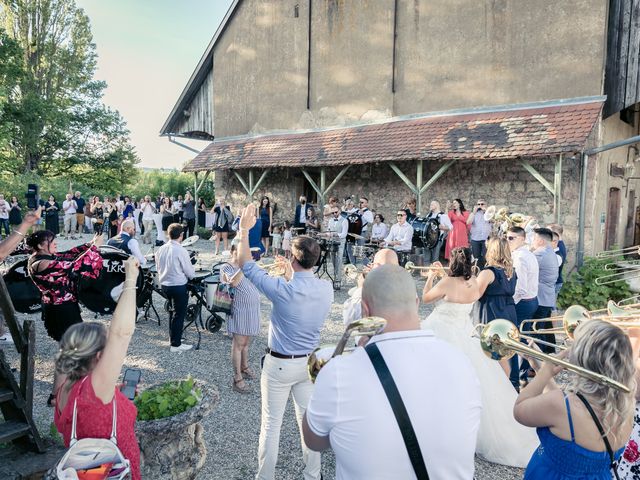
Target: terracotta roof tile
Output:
[(501, 134)]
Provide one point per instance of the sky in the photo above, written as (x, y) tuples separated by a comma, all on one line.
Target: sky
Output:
[(147, 50)]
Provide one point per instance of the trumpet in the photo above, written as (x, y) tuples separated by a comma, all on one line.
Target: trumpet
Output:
[(500, 339), (351, 271), (275, 269), (410, 266), (320, 356)]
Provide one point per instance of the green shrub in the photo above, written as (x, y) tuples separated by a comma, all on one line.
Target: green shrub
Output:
[(581, 288), (204, 233), (167, 400)]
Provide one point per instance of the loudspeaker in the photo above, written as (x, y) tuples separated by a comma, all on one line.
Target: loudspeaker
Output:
[(33, 199)]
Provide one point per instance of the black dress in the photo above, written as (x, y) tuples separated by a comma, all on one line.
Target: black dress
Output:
[(51, 221), (202, 218), (15, 216), (497, 300), (113, 222), (222, 225)]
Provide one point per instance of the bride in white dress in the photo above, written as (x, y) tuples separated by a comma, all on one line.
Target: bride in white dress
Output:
[(501, 439)]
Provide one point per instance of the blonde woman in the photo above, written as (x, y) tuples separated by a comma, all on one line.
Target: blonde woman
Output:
[(571, 445), (90, 360), (497, 283)]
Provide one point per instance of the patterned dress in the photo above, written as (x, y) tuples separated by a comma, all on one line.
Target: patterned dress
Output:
[(629, 467), (58, 285), (245, 312)]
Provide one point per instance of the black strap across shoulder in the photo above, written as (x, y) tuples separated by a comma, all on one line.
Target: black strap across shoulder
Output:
[(614, 464), (399, 410)]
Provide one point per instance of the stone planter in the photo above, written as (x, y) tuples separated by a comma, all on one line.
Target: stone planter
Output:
[(173, 447)]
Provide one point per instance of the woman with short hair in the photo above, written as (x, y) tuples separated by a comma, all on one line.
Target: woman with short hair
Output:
[(90, 360)]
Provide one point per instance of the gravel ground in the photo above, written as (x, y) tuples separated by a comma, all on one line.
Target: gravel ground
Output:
[(231, 431)]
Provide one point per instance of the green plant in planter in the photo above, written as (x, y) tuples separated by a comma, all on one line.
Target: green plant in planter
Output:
[(204, 233), (581, 287), (167, 400)]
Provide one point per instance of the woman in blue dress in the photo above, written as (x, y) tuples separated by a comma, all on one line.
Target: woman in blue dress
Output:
[(571, 445), (266, 216), (244, 321)]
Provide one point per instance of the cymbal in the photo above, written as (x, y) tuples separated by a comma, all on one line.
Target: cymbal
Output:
[(187, 242), (356, 236)]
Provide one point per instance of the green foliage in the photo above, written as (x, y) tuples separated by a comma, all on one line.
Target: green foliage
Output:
[(204, 233), (581, 288), (53, 118), (172, 182), (55, 435), (167, 400)]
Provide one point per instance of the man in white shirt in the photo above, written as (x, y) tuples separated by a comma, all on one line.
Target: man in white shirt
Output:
[(69, 207), (174, 271), (126, 241), (338, 228), (4, 216), (400, 235), (367, 218), (350, 412), (148, 208), (526, 296)]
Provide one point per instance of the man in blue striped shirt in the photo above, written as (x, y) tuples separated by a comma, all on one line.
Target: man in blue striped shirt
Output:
[(301, 303)]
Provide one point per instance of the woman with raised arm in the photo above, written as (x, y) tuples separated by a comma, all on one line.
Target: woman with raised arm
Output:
[(500, 438), (90, 360)]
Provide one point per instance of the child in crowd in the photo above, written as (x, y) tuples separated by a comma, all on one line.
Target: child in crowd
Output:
[(286, 239), (276, 242)]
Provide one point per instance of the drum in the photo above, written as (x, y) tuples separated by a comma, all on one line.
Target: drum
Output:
[(358, 251), (153, 272), (426, 232), (210, 285), (23, 292), (147, 288), (100, 295), (333, 246)]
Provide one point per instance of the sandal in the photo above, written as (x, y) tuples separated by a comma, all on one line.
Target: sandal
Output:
[(239, 389), (248, 374)]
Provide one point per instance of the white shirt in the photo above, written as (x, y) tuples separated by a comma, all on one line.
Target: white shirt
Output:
[(148, 209), (174, 264), (120, 206), (401, 233), (4, 209), (367, 219), (69, 207), (526, 266), (134, 246), (379, 231), (441, 393), (352, 307), (339, 226), (303, 213)]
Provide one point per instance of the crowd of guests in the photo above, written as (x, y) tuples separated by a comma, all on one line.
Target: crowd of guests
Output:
[(456, 401)]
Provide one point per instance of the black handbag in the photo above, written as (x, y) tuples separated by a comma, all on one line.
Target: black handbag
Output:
[(399, 411)]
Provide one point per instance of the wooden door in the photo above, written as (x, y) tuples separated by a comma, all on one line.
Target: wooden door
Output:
[(613, 218), (629, 232)]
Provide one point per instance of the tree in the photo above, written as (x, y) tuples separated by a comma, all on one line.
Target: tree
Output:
[(60, 126), (11, 71)]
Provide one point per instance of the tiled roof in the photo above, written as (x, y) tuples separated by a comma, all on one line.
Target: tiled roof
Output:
[(501, 133)]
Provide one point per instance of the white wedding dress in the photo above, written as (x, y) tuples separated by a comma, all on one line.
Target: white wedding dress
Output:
[(500, 439)]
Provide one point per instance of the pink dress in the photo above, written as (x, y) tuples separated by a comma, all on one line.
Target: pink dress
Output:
[(94, 421), (459, 236)]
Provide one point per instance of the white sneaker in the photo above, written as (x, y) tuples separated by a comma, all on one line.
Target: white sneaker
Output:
[(182, 348), (6, 338)]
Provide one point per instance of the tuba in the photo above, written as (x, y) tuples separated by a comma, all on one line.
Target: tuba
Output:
[(320, 356), (490, 213)]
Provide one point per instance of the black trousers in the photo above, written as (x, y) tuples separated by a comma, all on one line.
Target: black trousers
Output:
[(541, 312), (179, 296), (191, 225), (479, 250)]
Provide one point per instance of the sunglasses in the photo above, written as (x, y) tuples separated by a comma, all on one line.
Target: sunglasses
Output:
[(401, 215)]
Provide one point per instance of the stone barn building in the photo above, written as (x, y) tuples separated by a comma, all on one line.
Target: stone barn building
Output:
[(434, 99)]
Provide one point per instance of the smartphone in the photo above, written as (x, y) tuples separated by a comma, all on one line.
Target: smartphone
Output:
[(130, 382)]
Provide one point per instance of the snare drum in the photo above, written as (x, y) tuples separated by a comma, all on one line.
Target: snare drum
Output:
[(210, 286), (100, 295), (23, 292), (358, 251), (153, 273)]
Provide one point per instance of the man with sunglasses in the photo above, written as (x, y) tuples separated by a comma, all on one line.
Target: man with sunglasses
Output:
[(526, 296), (338, 228), (400, 235), (479, 232)]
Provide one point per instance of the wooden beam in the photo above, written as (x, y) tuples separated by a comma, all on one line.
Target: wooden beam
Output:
[(529, 168), (436, 175), (27, 365), (313, 184), (259, 182), (557, 188), (323, 184), (204, 179), (251, 189), (418, 185), (10, 318), (242, 182), (404, 178), (337, 179)]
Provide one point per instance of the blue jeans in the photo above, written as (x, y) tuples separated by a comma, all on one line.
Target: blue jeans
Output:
[(525, 309), (479, 250), (180, 298), (4, 223)]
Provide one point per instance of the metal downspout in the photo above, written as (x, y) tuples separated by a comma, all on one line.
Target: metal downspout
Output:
[(582, 205)]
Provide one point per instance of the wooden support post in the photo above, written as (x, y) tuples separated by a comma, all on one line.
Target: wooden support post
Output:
[(321, 190), (404, 178), (27, 365), (242, 182), (323, 182), (557, 188), (196, 188), (436, 175), (10, 318), (313, 184), (529, 168), (252, 187), (418, 185)]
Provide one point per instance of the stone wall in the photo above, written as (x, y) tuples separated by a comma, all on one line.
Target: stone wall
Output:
[(499, 182)]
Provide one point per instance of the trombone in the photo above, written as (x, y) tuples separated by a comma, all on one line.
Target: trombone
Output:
[(625, 272), (500, 339), (275, 269), (410, 266), (368, 326), (634, 250), (351, 271)]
